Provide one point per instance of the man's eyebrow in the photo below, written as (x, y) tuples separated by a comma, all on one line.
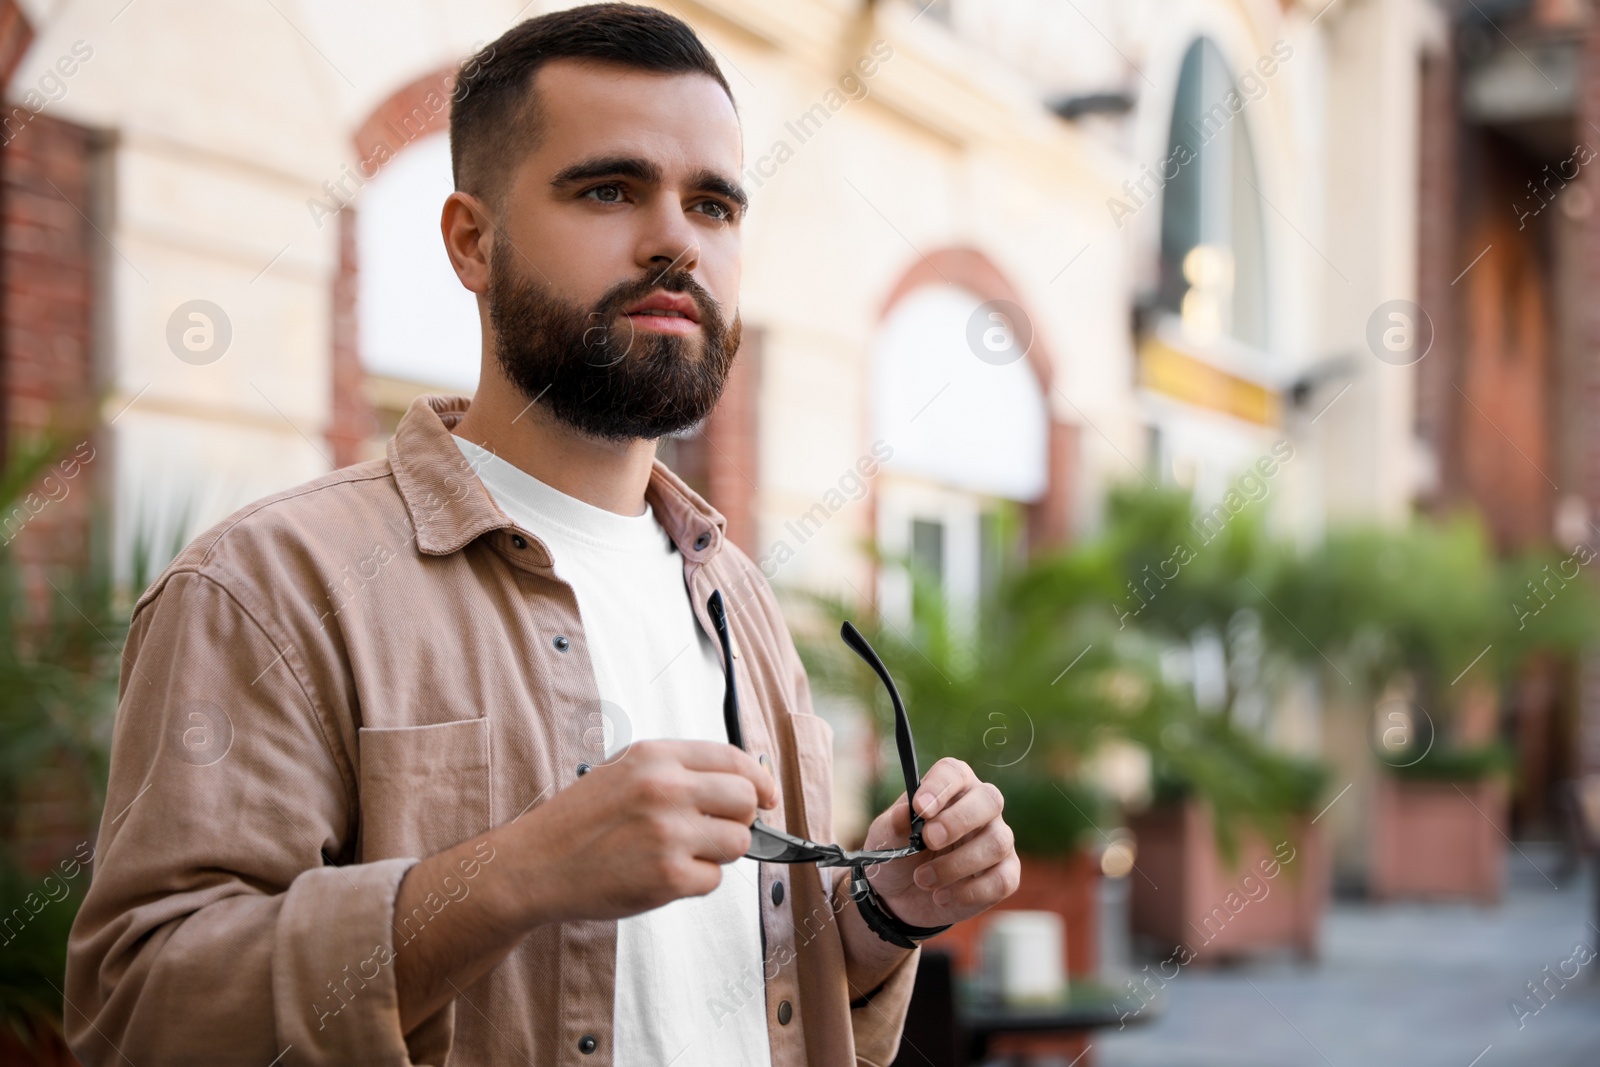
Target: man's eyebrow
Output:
[(608, 167), (712, 182), (644, 170)]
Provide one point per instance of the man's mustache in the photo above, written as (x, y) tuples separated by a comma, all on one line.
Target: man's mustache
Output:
[(678, 281), (598, 337)]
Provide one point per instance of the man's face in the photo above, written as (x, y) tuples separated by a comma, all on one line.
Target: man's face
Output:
[(614, 272)]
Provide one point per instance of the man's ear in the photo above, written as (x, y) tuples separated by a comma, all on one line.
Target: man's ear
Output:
[(468, 232)]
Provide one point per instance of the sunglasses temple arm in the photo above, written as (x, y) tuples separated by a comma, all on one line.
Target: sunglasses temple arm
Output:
[(902, 723), (730, 695)]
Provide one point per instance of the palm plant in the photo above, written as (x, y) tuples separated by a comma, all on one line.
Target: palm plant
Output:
[(1058, 666), (59, 658), (1431, 604)]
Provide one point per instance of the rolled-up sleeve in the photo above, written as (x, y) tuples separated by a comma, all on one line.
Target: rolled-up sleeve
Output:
[(878, 1018), (224, 923)]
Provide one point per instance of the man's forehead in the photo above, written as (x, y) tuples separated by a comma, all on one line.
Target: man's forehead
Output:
[(592, 109)]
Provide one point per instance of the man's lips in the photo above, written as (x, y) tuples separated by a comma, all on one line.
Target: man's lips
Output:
[(665, 312)]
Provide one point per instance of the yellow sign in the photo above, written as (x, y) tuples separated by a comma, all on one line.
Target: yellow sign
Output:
[(1168, 370)]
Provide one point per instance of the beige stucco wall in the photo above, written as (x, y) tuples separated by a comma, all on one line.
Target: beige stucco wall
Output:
[(228, 118)]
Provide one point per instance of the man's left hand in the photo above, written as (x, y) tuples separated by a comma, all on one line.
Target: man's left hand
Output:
[(970, 863)]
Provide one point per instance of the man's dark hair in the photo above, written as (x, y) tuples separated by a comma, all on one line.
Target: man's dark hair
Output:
[(494, 114)]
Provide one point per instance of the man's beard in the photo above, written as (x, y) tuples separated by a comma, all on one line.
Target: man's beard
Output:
[(592, 370)]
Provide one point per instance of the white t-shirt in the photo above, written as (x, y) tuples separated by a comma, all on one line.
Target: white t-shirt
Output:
[(653, 661)]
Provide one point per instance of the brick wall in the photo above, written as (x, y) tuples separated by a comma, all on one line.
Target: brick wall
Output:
[(1437, 255), (48, 257), (1505, 456), (732, 457), (1588, 367), (353, 423), (1050, 517), (721, 459), (46, 322), (1498, 397)]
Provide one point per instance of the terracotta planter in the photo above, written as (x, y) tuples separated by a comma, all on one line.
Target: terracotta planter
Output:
[(1067, 886), (1438, 840), (1184, 894)]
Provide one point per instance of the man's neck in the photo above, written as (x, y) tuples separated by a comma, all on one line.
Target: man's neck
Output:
[(608, 474)]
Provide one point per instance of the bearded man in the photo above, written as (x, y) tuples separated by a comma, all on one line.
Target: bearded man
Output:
[(428, 759)]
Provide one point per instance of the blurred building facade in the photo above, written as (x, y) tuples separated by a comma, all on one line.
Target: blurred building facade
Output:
[(1509, 259), (1002, 255)]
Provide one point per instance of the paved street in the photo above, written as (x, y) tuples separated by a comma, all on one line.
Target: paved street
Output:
[(1405, 985)]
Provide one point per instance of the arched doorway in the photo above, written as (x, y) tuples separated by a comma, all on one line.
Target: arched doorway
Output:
[(960, 385)]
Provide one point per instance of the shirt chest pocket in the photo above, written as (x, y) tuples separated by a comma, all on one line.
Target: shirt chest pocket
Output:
[(423, 788)]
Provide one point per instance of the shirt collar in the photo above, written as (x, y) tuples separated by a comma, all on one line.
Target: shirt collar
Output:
[(450, 508)]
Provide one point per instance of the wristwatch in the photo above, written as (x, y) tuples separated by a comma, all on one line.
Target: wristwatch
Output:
[(878, 919)]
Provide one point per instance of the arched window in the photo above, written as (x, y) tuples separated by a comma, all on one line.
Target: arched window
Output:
[(418, 326), (969, 440), (1213, 270), (950, 416)]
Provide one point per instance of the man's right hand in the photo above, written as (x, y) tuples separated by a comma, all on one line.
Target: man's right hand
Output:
[(653, 825)]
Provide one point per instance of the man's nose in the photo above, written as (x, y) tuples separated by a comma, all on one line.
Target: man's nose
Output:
[(669, 242)]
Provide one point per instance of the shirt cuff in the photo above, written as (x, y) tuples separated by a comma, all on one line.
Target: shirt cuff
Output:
[(878, 1018), (333, 981), (879, 1022)]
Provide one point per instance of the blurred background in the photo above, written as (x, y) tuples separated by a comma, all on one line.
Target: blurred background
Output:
[(1197, 402)]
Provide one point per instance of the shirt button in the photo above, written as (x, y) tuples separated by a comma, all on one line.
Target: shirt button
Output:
[(702, 541), (785, 1013), (561, 643), (777, 892), (519, 540), (583, 769), (587, 1044)]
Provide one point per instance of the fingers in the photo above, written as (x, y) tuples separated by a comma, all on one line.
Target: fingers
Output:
[(984, 889), (900, 817), (677, 819), (990, 847), (726, 759), (726, 796), (707, 813), (954, 803), (718, 841), (945, 781)]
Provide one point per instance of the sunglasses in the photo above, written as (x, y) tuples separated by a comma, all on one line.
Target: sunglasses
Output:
[(771, 845)]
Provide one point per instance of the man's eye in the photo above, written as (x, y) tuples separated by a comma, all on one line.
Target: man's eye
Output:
[(717, 210), (606, 194)]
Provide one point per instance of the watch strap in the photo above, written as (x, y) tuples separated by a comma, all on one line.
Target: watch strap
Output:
[(878, 918)]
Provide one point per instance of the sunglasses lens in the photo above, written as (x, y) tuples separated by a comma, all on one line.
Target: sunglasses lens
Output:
[(775, 846), (767, 848)]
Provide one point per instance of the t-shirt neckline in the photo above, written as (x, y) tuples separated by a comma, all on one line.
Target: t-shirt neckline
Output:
[(538, 506)]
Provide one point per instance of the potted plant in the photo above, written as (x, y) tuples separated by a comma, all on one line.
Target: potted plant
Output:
[(1421, 627), (1439, 826), (1226, 804), (1062, 666), (978, 698), (1207, 890)]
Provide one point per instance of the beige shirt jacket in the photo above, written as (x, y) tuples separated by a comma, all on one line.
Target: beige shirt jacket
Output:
[(344, 678)]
